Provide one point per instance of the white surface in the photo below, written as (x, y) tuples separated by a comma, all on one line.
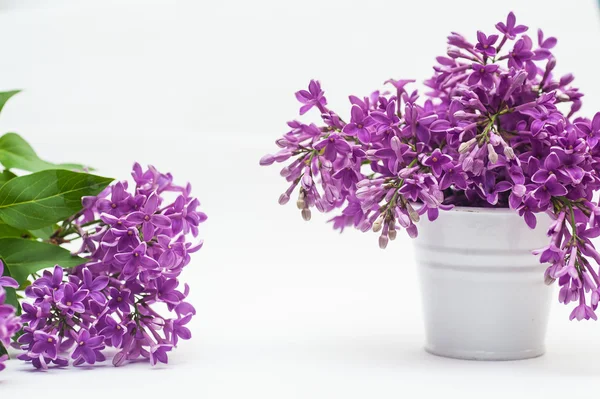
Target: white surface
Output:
[(483, 298), (286, 309)]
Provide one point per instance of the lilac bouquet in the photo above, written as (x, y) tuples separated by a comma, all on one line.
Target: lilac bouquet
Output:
[(135, 245), (86, 266), (495, 128)]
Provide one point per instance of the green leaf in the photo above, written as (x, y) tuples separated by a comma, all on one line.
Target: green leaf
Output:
[(16, 153), (24, 257), (45, 232), (9, 231), (43, 198), (12, 299), (5, 96), (5, 176), (3, 350)]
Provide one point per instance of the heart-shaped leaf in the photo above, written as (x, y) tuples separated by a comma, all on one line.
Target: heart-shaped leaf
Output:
[(43, 198), (9, 231), (23, 257), (5, 96), (5, 176), (16, 153)]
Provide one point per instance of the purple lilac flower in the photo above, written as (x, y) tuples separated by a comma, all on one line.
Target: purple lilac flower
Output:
[(118, 202), (44, 344), (88, 348), (488, 132), (436, 161), (177, 328), (135, 259), (139, 250), (333, 146), (149, 218), (510, 28), (71, 301), (520, 53), (113, 331), (548, 189), (120, 299), (10, 324), (6, 281), (359, 125), (485, 44), (95, 285), (52, 281), (158, 353), (483, 74), (312, 98)]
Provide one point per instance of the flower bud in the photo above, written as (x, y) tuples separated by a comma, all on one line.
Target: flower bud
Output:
[(495, 139), (326, 164), (365, 226), (477, 167), (492, 155), (412, 231), (548, 279), (306, 214), (591, 251), (119, 359), (551, 64), (283, 142), (88, 201), (468, 164), (509, 152), (517, 82), (404, 219), (378, 224), (392, 233), (370, 154), (395, 143), (414, 215), (300, 203), (282, 156), (407, 172), (383, 241), (519, 190), (267, 160), (283, 199), (466, 146), (363, 183), (595, 298), (453, 52), (285, 172), (363, 191), (307, 180)]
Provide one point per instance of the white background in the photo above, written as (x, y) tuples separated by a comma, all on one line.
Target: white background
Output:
[(286, 309)]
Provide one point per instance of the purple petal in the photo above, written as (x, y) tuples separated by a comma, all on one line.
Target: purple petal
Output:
[(161, 221), (149, 263), (530, 219), (99, 283), (136, 217), (8, 282)]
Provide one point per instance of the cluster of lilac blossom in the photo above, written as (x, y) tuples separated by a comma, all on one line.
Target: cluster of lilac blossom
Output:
[(490, 132), (10, 324), (137, 244)]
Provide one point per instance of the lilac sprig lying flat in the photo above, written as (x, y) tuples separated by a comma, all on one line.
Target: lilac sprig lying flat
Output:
[(128, 295), (496, 128)]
